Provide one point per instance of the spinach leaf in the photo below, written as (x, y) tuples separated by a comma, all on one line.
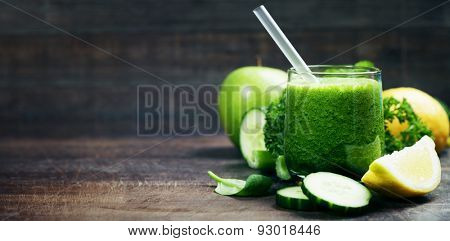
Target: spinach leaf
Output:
[(255, 185)]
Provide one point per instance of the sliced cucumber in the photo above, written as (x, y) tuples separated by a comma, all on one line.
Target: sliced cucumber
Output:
[(293, 198), (263, 160), (251, 136), (281, 169), (336, 192)]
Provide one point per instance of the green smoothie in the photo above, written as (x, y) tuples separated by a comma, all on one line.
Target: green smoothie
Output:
[(335, 125)]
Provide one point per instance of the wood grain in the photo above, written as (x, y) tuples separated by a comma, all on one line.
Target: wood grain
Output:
[(187, 16), (156, 179)]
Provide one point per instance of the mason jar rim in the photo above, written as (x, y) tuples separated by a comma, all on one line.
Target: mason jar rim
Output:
[(368, 70)]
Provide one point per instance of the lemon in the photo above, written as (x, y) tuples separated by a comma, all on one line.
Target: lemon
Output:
[(429, 110), (413, 171)]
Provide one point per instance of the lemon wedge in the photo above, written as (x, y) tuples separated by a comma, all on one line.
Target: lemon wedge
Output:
[(413, 171)]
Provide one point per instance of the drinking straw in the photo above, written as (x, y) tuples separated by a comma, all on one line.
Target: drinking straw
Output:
[(283, 42)]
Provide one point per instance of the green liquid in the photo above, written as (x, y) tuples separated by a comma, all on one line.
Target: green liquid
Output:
[(335, 126)]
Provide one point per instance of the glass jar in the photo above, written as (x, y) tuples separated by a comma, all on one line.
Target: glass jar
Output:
[(335, 124)]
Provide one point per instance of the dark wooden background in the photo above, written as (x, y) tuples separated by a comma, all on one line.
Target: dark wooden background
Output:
[(54, 85)]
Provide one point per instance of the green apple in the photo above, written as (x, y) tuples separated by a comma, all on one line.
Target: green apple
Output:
[(246, 88)]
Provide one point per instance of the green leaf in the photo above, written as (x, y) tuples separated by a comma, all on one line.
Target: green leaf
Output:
[(255, 185), (227, 187)]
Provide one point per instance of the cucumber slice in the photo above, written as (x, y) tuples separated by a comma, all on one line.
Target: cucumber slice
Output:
[(281, 169), (251, 136), (263, 160), (293, 198), (336, 192)]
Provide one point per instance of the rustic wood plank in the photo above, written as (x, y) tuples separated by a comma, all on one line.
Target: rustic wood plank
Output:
[(121, 179), (187, 16), (49, 83)]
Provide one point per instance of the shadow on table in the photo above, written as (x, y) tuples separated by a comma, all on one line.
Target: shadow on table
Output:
[(380, 209), (385, 208), (396, 203)]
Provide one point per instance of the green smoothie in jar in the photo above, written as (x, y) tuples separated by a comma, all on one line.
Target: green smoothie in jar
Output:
[(335, 124)]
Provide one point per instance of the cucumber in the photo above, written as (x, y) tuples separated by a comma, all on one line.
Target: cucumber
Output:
[(281, 169), (336, 192), (251, 138), (293, 198)]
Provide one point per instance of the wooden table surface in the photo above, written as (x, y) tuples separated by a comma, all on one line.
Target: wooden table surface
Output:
[(160, 178)]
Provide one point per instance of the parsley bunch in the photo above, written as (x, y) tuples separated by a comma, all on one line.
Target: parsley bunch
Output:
[(394, 109), (274, 127)]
